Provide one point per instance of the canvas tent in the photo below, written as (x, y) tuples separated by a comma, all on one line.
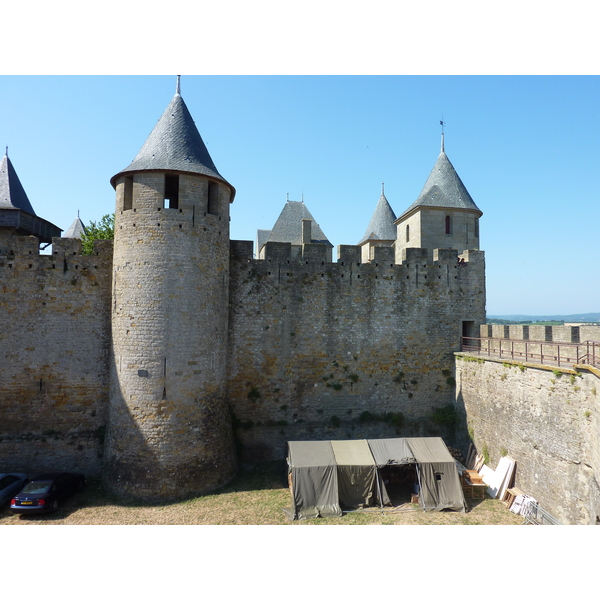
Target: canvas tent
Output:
[(314, 480), (326, 476), (358, 483), (440, 486)]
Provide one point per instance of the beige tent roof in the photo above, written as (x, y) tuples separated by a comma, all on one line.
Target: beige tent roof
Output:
[(352, 452)]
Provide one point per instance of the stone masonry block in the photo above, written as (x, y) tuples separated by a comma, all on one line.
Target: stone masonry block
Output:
[(241, 250), (383, 255), (278, 252), (348, 254), (66, 246), (445, 255), (414, 254), (314, 252)]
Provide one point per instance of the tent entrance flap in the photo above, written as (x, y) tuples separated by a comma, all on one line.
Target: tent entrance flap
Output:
[(400, 481)]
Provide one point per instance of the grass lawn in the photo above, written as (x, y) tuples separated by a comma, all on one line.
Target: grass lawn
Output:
[(256, 497)]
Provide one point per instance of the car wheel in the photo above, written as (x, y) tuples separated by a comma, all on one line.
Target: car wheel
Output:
[(55, 506)]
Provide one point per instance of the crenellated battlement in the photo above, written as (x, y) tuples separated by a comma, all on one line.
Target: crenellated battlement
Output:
[(416, 267), (18, 247), (569, 334), (281, 252)]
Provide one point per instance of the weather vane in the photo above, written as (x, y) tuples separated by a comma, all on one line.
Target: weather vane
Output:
[(442, 123)]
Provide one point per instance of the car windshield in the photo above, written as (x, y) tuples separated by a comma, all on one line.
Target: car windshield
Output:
[(36, 487)]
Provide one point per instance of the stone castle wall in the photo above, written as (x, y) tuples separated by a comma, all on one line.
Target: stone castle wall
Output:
[(316, 350), (54, 344), (545, 418), (322, 350)]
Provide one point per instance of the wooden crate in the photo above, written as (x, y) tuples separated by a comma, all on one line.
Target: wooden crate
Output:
[(474, 490), (473, 476), (510, 495)]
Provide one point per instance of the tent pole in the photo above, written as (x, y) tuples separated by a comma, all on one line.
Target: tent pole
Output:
[(419, 480), (379, 489)]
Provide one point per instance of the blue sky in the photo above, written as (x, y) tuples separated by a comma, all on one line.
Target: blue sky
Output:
[(526, 147)]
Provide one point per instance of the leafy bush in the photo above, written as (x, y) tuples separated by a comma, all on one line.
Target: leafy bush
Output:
[(103, 230)]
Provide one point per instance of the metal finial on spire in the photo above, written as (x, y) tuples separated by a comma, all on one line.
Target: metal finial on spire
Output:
[(178, 90), (442, 123), (382, 192), (6, 151)]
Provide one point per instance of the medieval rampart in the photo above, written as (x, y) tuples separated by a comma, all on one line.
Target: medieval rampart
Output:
[(320, 350), (543, 416), (55, 344)]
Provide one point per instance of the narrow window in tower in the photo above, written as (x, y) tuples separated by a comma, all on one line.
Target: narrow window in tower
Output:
[(467, 232), (477, 228), (408, 233), (213, 198), (448, 224), (128, 193), (171, 191)]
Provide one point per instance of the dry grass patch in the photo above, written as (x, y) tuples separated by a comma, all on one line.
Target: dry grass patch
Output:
[(256, 497)]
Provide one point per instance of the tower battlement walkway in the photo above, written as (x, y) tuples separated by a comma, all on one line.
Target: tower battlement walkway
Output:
[(561, 354)]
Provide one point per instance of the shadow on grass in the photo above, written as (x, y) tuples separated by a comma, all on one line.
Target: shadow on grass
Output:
[(270, 475), (261, 476)]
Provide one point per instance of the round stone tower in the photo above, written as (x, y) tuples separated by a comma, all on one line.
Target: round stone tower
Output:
[(169, 431)]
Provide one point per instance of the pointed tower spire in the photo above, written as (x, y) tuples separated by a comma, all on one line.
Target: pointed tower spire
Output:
[(381, 226), (444, 199), (76, 230), (14, 201), (12, 194), (175, 145)]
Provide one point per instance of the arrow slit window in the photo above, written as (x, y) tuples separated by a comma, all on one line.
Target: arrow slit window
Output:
[(448, 225)]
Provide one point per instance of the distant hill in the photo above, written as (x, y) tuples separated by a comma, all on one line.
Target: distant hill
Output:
[(577, 318)]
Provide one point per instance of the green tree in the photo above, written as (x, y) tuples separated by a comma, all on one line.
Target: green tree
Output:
[(103, 230)]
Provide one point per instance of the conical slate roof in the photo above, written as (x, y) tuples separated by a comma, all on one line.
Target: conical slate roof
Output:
[(381, 226), (76, 230), (12, 194), (443, 189), (175, 145), (16, 212), (288, 227)]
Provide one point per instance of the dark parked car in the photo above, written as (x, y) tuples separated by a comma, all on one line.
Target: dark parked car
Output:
[(10, 485), (44, 492)]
